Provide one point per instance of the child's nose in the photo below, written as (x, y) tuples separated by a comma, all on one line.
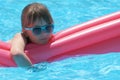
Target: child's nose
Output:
[(43, 33)]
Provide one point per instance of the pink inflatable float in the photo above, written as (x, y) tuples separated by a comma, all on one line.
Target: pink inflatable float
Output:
[(98, 36)]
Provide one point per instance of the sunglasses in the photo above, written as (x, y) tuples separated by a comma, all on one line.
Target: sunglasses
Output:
[(37, 30)]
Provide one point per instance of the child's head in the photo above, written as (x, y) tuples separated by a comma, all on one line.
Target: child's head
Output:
[(37, 23), (35, 11)]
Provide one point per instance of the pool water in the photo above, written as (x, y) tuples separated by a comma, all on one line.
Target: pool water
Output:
[(65, 13)]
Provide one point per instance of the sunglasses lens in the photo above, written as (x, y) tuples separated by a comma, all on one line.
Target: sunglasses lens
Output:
[(37, 31), (47, 28)]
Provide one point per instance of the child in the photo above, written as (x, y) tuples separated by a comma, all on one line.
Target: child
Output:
[(37, 27)]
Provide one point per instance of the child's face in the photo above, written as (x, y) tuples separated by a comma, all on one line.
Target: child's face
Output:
[(43, 36)]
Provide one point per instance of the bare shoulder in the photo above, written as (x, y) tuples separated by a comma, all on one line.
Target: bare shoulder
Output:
[(18, 43), (16, 36), (19, 37)]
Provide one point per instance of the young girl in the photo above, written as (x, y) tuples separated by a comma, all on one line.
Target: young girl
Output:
[(37, 27)]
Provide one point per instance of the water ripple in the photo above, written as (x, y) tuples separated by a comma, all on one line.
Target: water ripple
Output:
[(108, 69)]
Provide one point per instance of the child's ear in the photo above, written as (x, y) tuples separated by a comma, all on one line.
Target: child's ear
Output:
[(24, 32)]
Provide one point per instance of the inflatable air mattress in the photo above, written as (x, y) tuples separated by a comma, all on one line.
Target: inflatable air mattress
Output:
[(98, 36)]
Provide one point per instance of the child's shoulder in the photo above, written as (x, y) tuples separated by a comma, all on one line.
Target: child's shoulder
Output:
[(17, 36)]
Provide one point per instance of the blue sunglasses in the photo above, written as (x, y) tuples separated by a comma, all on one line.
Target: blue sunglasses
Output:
[(37, 30)]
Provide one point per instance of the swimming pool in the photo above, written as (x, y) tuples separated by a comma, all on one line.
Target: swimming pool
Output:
[(65, 13)]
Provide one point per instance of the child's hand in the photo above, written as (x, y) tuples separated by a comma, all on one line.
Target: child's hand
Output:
[(37, 68), (33, 69)]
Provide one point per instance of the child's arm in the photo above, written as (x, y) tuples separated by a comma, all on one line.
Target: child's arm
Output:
[(17, 50)]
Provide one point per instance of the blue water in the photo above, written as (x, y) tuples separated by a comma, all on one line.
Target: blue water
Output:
[(65, 14)]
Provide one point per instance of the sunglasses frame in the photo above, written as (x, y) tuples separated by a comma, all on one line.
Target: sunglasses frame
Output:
[(42, 28)]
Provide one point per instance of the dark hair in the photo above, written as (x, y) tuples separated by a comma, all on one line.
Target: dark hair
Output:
[(35, 11)]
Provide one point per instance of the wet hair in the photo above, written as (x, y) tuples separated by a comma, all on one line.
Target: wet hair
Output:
[(35, 11)]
